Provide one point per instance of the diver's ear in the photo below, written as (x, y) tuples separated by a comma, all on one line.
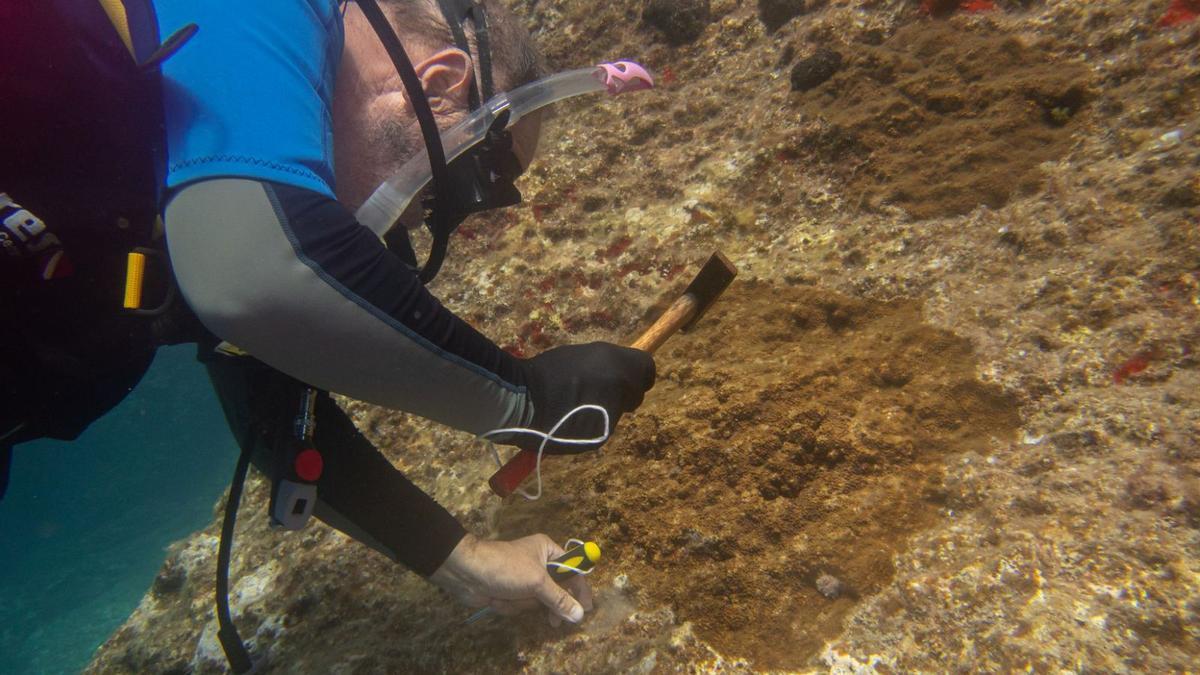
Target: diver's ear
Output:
[(446, 78)]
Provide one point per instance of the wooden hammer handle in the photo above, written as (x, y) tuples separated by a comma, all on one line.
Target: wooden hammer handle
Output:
[(517, 469), (677, 315)]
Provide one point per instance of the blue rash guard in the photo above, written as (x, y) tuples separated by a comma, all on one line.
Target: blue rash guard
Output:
[(272, 263), (250, 96)]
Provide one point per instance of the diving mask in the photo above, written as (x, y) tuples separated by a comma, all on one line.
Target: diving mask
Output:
[(478, 150)]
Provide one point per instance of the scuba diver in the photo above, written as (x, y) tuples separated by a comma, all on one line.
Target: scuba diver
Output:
[(236, 124)]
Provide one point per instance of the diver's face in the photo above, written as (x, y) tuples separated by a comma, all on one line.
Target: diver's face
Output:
[(375, 130), (371, 116)]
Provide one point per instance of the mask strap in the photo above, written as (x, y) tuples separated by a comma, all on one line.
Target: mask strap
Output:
[(455, 12), (483, 41)]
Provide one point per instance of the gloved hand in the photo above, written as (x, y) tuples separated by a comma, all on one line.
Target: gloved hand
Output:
[(561, 379), (510, 576)]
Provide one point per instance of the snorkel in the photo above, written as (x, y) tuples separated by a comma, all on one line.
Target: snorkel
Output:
[(383, 208)]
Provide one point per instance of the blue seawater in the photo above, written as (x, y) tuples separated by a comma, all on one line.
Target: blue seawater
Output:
[(84, 525)]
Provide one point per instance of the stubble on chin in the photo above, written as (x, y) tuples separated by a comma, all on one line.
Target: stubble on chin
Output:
[(370, 154), (389, 145)]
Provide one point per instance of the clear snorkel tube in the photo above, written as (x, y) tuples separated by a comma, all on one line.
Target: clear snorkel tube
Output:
[(384, 207)]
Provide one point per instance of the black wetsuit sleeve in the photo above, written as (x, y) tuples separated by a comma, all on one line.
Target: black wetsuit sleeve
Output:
[(363, 495), (359, 492)]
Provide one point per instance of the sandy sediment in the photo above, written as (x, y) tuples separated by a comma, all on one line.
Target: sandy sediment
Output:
[(947, 420)]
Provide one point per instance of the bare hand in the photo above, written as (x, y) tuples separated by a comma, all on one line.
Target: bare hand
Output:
[(510, 576)]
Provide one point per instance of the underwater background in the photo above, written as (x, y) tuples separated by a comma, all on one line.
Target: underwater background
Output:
[(85, 524), (946, 419)]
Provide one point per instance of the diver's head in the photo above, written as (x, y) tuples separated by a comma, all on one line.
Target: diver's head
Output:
[(375, 129)]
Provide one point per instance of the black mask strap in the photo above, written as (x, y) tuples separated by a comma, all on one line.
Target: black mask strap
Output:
[(484, 41), (455, 12)]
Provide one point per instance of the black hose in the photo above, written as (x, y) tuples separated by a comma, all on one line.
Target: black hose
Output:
[(231, 642)]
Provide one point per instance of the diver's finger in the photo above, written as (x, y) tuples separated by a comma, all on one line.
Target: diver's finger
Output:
[(579, 587), (559, 601)]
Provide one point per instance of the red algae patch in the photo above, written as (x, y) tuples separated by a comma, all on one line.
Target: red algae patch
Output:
[(1180, 12), (790, 448)]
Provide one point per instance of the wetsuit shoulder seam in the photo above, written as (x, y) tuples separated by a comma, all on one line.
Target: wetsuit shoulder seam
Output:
[(245, 159)]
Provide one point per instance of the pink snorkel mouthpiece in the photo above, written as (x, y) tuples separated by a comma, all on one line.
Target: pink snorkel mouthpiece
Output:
[(622, 76)]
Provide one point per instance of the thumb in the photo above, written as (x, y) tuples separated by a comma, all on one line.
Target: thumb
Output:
[(559, 601)]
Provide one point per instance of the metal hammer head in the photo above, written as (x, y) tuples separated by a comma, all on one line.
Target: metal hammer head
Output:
[(712, 280)]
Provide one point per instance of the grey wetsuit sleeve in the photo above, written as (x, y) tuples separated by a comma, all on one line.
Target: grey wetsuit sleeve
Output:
[(290, 276)]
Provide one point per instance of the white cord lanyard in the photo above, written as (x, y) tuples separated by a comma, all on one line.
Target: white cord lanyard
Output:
[(547, 437)]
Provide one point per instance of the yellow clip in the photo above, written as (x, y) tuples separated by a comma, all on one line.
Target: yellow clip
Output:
[(230, 350), (120, 21), (135, 273), (577, 560)]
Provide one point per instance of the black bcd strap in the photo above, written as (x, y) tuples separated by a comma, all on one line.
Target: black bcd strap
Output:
[(235, 650)]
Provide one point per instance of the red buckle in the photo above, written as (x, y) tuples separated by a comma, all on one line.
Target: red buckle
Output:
[(309, 464)]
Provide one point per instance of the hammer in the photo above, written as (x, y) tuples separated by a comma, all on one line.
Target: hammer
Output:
[(710, 282)]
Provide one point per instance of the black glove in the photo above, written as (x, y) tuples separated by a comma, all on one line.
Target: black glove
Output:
[(561, 379)]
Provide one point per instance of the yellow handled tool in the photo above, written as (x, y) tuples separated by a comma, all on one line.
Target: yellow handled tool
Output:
[(579, 559)]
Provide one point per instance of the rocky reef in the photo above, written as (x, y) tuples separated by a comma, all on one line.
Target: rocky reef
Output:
[(948, 418)]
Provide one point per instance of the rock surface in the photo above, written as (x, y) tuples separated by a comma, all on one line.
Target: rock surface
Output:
[(775, 13), (815, 70), (677, 22), (958, 374)]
